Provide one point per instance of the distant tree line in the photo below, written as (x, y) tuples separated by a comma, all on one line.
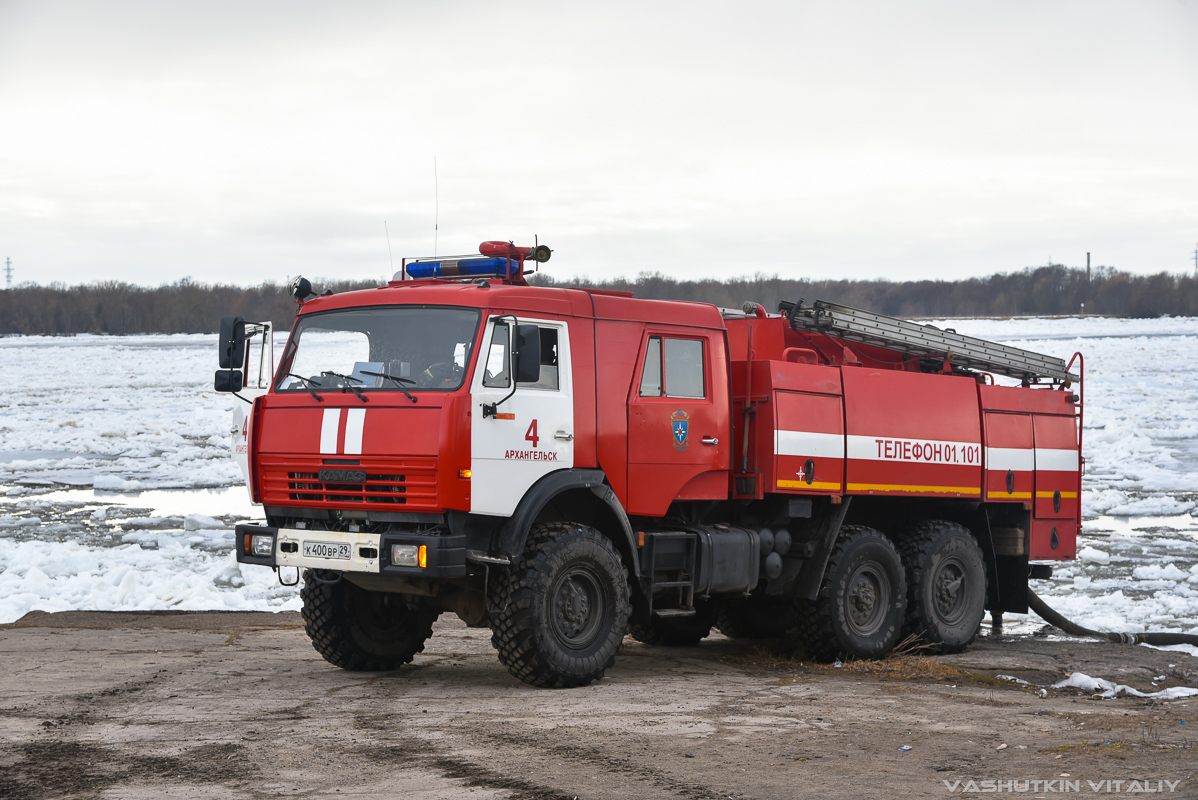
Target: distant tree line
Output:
[(190, 307), (1048, 290), (120, 308)]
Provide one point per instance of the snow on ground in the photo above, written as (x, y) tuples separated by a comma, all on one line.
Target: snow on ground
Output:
[(127, 412), (107, 445), (137, 570)]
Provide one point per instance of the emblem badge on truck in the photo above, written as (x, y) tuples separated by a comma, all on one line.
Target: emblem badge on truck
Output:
[(679, 422), (342, 476)]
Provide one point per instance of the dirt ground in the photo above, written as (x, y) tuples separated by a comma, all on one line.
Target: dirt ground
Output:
[(239, 705)]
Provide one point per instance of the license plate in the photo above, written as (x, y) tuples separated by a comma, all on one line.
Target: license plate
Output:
[(325, 550)]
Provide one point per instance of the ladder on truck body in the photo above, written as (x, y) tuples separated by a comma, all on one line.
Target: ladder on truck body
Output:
[(852, 324)]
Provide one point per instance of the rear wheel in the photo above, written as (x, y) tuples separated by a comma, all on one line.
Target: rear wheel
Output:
[(859, 610), (561, 616), (361, 630), (946, 585)]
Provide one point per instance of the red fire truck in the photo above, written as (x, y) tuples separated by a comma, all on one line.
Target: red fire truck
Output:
[(567, 466)]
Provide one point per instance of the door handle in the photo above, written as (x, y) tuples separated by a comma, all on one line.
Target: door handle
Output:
[(562, 436), (711, 440)]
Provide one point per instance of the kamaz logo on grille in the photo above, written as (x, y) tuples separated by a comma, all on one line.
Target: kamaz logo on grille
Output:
[(342, 476)]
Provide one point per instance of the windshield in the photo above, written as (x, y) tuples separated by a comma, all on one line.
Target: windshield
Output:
[(389, 348)]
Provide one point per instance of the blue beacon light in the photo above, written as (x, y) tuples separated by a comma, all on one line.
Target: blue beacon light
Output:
[(453, 268)]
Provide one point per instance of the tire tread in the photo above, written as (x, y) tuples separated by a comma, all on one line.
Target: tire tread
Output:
[(513, 623), (814, 631), (328, 627), (916, 549)]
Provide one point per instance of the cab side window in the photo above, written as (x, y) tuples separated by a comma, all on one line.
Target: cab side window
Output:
[(673, 368), (549, 374), (496, 375), (651, 375)]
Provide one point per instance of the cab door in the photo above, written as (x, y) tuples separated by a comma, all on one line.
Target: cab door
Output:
[(679, 426), (531, 432)]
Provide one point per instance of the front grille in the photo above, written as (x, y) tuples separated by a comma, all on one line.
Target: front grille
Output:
[(376, 489), (390, 482)]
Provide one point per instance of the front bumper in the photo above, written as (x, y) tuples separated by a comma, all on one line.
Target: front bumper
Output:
[(368, 552)]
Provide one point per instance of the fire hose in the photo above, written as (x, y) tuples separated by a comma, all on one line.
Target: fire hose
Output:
[(1158, 639)]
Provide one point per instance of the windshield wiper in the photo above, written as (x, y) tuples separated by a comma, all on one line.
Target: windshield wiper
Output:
[(398, 382), (348, 385), (305, 382)]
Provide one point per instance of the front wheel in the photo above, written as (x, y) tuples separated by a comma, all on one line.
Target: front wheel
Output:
[(361, 630), (561, 615), (859, 610)]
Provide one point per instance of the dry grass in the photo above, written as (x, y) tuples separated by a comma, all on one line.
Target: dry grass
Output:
[(1085, 746), (909, 667), (908, 662)]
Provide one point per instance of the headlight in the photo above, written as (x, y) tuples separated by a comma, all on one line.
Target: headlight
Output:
[(263, 545), (404, 555), (409, 555)]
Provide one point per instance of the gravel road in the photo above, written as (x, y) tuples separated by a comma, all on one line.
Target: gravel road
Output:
[(238, 705)]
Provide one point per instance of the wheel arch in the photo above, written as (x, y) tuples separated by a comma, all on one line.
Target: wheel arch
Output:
[(572, 495)]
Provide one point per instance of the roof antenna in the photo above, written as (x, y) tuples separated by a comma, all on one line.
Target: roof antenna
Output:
[(436, 206), (389, 256)]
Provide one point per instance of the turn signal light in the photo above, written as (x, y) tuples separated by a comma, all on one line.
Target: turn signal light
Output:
[(464, 473), (423, 556)]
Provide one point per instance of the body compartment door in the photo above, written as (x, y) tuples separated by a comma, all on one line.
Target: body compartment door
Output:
[(808, 442), (1057, 465), (1010, 457)]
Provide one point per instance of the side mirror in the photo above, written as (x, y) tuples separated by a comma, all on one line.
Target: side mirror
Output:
[(229, 380), (528, 354), (232, 342)]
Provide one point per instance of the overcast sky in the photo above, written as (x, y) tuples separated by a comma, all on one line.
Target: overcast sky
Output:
[(250, 141)]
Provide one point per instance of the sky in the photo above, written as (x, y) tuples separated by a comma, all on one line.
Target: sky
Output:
[(245, 142)]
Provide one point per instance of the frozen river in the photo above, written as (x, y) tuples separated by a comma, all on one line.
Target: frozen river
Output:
[(117, 489)]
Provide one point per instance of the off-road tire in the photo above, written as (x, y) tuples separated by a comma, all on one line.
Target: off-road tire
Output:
[(946, 615), (360, 630), (560, 618), (675, 631), (757, 618), (861, 606)]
